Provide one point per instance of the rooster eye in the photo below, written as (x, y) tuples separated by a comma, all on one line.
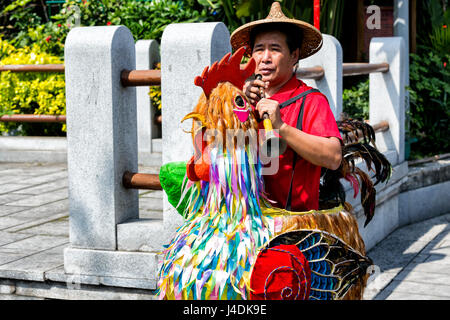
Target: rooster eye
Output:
[(239, 101)]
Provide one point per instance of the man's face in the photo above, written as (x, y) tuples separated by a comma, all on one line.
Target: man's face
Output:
[(273, 59)]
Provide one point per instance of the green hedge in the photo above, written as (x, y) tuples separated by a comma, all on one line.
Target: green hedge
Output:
[(30, 92), (356, 101), (429, 103)]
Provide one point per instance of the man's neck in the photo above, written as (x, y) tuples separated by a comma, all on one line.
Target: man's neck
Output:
[(271, 90)]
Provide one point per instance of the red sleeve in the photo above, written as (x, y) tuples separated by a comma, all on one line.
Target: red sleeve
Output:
[(318, 118)]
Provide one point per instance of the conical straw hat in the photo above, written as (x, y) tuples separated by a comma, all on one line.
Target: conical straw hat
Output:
[(312, 38)]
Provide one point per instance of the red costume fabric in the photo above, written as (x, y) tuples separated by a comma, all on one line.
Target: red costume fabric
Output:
[(280, 273), (318, 120)]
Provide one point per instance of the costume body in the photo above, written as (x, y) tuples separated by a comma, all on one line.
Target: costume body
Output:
[(214, 250), (318, 120)]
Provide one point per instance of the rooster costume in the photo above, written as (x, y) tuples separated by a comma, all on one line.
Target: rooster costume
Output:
[(230, 244), (234, 244)]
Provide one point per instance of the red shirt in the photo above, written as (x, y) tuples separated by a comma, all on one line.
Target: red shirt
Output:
[(318, 120)]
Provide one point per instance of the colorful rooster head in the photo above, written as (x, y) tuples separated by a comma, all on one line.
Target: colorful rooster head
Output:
[(222, 109)]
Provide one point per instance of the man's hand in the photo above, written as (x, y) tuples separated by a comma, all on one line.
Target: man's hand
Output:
[(272, 108), (252, 90)]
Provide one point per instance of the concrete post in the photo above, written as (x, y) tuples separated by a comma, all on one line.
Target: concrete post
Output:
[(401, 29), (102, 145), (330, 58), (147, 54), (101, 134), (387, 94), (186, 49)]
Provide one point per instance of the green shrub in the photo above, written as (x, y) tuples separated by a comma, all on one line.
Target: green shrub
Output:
[(235, 13), (27, 28), (146, 20), (356, 101), (17, 17), (30, 92), (429, 103), (155, 91)]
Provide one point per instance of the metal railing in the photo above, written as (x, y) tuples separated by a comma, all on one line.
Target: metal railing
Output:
[(355, 69), (32, 118), (130, 78), (149, 181), (153, 77), (33, 68)]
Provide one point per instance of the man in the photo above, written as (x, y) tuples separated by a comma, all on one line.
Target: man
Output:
[(277, 43)]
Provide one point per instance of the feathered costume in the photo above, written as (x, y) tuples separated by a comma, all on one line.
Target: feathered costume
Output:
[(233, 243)]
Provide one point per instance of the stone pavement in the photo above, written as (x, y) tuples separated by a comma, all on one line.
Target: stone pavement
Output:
[(413, 262), (34, 227)]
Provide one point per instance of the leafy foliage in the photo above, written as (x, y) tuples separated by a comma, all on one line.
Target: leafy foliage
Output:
[(146, 20), (429, 103), (429, 87), (433, 25), (155, 91), (17, 16), (28, 27), (30, 92), (356, 101), (234, 13)]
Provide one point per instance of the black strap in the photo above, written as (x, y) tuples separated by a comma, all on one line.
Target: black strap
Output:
[(292, 100), (300, 127)]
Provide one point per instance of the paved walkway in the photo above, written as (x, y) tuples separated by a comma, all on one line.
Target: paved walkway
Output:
[(414, 261)]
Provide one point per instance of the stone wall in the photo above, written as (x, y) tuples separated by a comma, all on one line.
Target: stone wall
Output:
[(426, 193)]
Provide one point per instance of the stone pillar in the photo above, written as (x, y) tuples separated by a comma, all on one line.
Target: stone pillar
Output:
[(147, 54), (387, 94), (186, 49), (101, 134), (102, 145), (401, 29), (330, 58)]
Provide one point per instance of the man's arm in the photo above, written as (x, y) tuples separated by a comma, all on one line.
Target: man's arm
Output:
[(321, 151)]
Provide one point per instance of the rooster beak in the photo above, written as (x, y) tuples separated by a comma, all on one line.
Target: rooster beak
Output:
[(196, 116), (242, 114)]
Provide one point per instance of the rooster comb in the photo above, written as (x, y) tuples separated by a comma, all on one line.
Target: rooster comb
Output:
[(227, 70)]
